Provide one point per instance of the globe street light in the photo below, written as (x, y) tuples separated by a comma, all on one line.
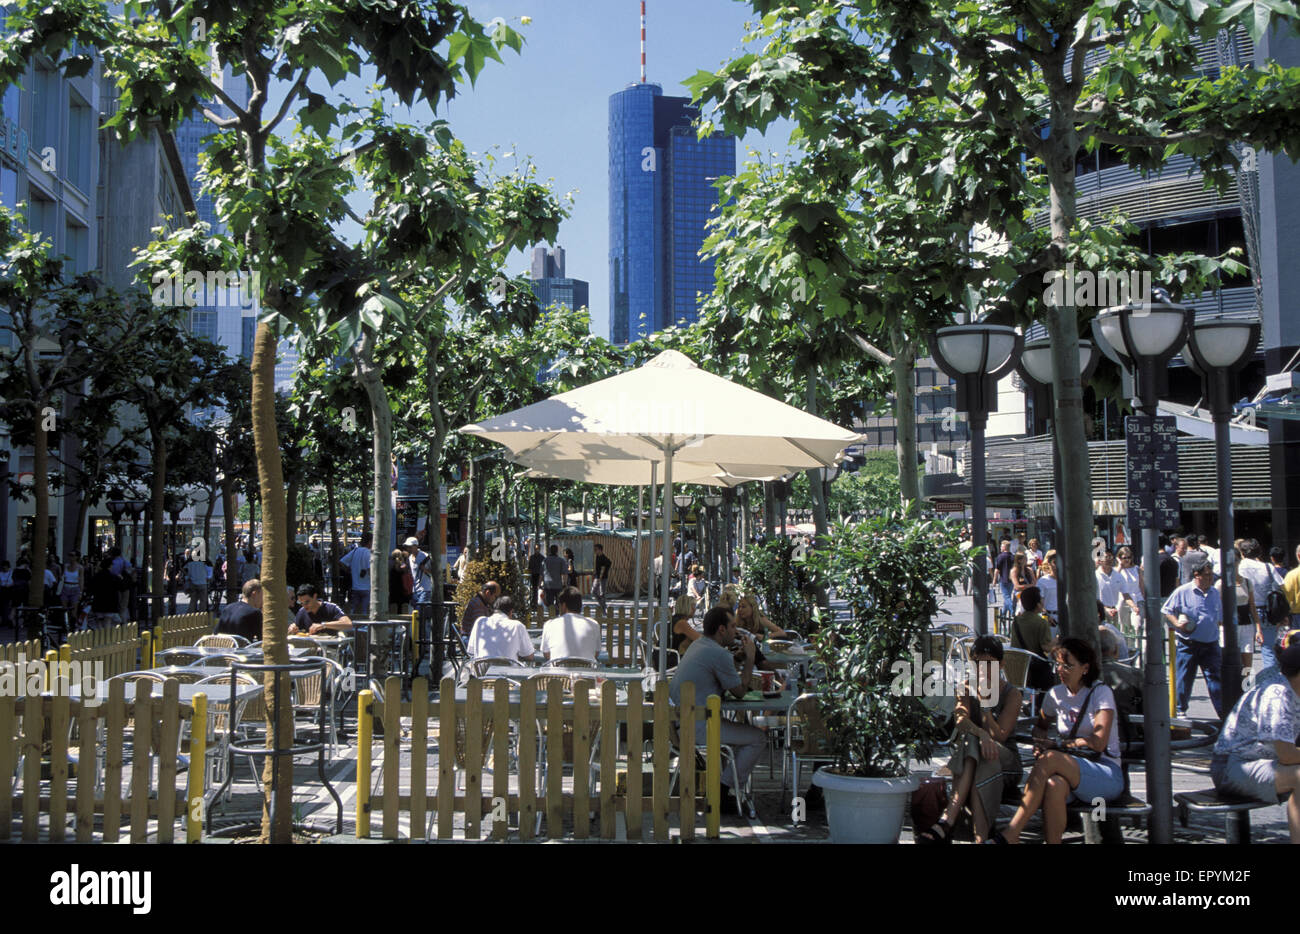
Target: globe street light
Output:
[(976, 356), (1037, 366), (1218, 347), (1143, 338)]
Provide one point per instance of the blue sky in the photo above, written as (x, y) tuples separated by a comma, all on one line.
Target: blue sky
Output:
[(551, 101)]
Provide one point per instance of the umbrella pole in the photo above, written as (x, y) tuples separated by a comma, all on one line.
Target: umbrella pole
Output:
[(636, 576), (663, 577)]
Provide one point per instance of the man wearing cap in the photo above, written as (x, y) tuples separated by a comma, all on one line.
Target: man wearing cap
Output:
[(1195, 611), (1255, 755)]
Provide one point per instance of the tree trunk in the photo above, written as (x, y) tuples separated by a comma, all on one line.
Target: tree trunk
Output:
[(815, 482), (437, 544), (228, 517), (157, 544), (1071, 441), (334, 533), (904, 364), (381, 414), (83, 512), (291, 510), (207, 515), (471, 509), (366, 527), (41, 519), (275, 608), (769, 510)]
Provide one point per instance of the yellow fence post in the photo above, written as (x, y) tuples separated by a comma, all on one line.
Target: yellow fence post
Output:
[(51, 668), (1173, 675), (712, 765), (146, 650), (65, 658), (198, 768), (365, 701)]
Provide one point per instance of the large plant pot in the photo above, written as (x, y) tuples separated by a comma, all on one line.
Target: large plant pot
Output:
[(865, 810)]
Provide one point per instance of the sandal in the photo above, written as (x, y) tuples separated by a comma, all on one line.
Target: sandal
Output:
[(941, 832)]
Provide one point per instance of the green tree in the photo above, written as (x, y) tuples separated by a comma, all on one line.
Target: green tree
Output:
[(999, 101), (163, 73)]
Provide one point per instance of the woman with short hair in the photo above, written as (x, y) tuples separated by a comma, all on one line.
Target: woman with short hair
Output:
[(1080, 759)]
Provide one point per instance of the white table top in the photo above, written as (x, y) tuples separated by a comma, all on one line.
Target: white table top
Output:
[(608, 674)]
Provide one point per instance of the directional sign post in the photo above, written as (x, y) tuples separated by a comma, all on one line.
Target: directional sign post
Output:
[(1152, 471)]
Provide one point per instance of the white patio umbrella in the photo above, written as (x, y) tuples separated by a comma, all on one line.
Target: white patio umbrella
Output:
[(664, 411)]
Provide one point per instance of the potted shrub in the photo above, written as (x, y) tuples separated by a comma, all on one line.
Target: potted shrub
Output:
[(890, 569), (768, 570)]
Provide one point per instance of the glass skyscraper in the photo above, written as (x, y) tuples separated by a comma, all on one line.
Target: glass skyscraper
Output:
[(661, 196), (550, 284)]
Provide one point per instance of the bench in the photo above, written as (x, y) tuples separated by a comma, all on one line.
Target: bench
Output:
[(1107, 829), (1235, 810)]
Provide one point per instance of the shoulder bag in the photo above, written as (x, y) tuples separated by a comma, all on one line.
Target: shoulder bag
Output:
[(1088, 753)]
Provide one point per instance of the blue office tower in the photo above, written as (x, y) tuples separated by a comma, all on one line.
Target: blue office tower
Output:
[(661, 196)]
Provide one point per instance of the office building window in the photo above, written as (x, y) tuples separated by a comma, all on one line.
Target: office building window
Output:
[(76, 245), (8, 187), (76, 165), (46, 108)]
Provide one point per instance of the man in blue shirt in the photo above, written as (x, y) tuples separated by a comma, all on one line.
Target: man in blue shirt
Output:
[(1195, 610)]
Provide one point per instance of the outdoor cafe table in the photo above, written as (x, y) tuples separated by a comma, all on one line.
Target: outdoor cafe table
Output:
[(608, 674), (755, 702), (247, 654), (185, 692)]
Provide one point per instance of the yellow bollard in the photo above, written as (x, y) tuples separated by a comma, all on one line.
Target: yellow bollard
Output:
[(365, 725), (157, 644), (51, 668), (713, 765), (146, 650), (415, 638), (65, 659), (198, 768), (1173, 676)]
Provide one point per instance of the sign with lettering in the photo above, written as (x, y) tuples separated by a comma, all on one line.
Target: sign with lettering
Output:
[(1151, 462)]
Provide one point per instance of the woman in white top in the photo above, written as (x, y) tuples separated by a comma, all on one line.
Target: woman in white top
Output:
[(70, 588), (1248, 619), (1047, 585), (1131, 592), (1081, 761)]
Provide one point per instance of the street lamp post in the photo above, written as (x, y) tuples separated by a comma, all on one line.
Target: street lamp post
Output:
[(682, 502), (976, 356), (1036, 366), (1144, 338), (1217, 348), (711, 503)]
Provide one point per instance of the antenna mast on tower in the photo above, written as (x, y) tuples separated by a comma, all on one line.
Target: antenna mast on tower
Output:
[(643, 41)]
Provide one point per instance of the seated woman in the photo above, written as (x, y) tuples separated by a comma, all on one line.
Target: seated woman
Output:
[(750, 617), (683, 633), (983, 763), (729, 597), (1081, 762)]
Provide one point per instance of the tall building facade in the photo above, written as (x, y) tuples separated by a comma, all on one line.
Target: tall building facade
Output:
[(661, 196), (550, 284), (222, 324)]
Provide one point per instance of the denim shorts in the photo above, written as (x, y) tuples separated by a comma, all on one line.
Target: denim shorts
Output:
[(1255, 779), (1098, 778)]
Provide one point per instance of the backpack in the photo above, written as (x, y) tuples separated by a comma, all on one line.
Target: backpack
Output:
[(1277, 608)]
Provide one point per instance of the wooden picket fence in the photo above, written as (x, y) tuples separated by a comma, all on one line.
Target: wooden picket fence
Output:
[(118, 647), (10, 651), (474, 737), (185, 629), (37, 746), (621, 632)]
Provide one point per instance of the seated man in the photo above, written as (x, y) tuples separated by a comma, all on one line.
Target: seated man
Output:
[(244, 616), (316, 615), (571, 635), (1124, 680), (479, 605), (707, 664), (501, 635), (1256, 755)]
